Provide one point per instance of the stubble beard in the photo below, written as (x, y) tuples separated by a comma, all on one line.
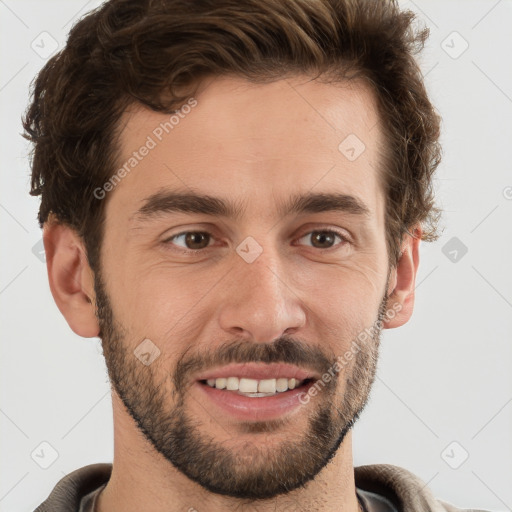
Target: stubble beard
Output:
[(252, 469)]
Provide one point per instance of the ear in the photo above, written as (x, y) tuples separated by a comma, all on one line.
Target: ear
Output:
[(71, 279), (403, 281)]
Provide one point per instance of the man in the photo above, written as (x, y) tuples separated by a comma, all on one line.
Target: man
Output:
[(233, 197)]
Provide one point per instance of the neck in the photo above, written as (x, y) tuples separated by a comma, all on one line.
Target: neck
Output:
[(142, 479)]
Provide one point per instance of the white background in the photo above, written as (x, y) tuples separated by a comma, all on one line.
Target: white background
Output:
[(445, 376)]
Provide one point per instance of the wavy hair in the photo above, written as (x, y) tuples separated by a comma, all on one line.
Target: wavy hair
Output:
[(155, 52)]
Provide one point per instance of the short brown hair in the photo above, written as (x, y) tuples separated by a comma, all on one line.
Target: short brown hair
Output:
[(145, 51)]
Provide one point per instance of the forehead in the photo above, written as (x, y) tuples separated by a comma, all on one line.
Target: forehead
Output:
[(255, 142)]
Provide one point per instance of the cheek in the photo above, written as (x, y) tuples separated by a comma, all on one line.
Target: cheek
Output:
[(342, 303), (161, 302), (348, 289)]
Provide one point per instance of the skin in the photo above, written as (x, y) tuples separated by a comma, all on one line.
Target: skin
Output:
[(256, 145)]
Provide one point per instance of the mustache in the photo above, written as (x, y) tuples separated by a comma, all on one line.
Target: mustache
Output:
[(283, 350)]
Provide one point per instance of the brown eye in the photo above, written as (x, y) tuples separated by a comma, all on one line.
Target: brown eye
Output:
[(196, 240), (323, 239), (193, 240)]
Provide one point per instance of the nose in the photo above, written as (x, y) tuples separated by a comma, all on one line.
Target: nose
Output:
[(259, 302)]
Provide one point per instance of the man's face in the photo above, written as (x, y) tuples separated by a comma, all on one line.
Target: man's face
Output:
[(270, 294)]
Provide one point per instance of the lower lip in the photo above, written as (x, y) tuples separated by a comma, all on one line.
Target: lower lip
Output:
[(255, 408)]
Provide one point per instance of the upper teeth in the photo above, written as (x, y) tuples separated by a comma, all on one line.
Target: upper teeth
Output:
[(254, 386)]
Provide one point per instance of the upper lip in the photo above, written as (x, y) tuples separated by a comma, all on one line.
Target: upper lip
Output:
[(260, 371)]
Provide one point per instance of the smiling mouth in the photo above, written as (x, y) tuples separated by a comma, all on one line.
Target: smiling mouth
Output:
[(256, 388)]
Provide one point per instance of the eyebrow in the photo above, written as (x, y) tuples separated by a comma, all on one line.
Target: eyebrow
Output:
[(164, 202)]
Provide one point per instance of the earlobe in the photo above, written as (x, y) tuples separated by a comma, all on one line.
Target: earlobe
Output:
[(70, 277), (400, 303)]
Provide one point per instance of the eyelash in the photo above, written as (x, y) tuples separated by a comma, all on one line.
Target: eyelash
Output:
[(343, 237)]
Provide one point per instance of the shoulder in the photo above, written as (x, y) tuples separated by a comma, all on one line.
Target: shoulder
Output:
[(402, 488), (451, 508), (69, 491)]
